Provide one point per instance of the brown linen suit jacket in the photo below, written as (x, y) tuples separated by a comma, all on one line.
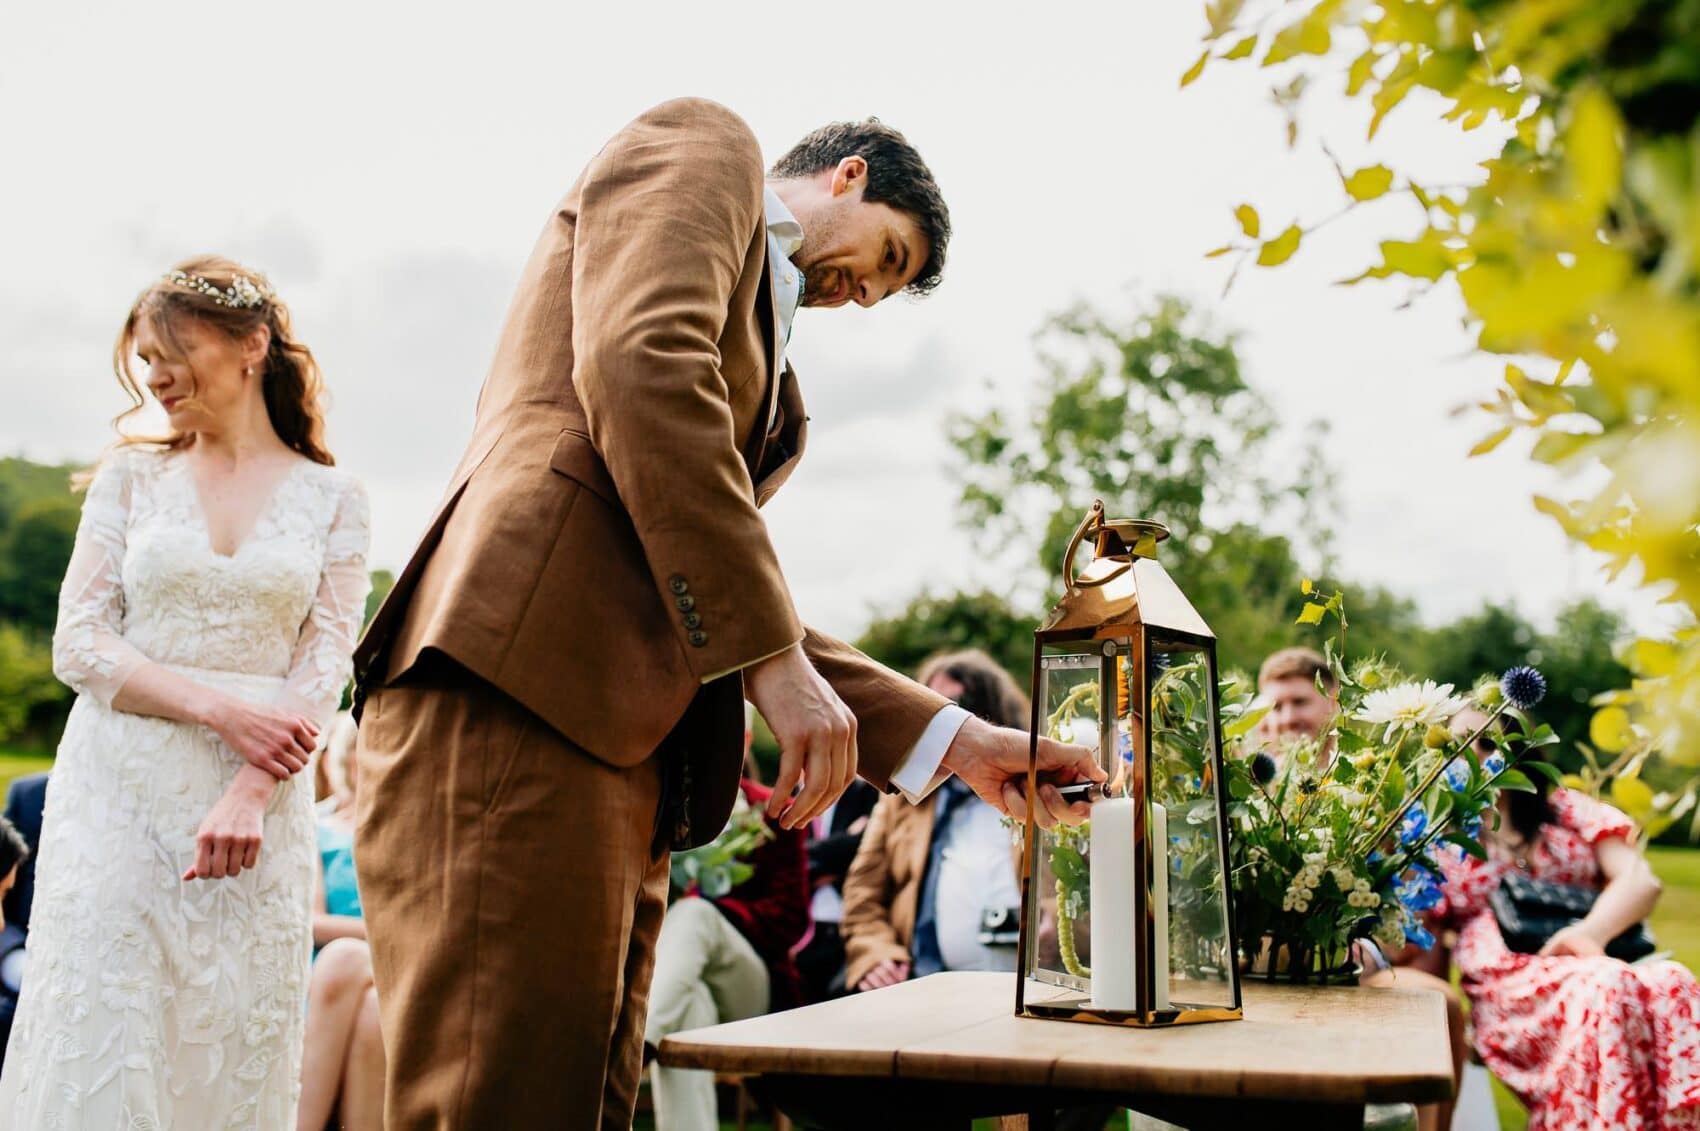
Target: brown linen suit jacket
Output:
[(599, 555)]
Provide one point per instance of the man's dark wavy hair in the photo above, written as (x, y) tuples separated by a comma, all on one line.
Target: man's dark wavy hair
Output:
[(896, 176)]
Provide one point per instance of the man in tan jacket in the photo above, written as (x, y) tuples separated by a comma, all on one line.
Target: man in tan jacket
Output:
[(552, 695)]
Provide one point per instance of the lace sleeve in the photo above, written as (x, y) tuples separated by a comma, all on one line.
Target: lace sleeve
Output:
[(90, 653), (322, 663)]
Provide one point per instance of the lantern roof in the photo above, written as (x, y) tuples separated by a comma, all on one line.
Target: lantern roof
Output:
[(1124, 586)]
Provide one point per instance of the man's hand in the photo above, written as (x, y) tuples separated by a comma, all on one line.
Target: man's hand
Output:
[(816, 733), (993, 762), (887, 973)]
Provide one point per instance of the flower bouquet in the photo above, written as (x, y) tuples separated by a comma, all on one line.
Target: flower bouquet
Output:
[(714, 869), (1335, 841)]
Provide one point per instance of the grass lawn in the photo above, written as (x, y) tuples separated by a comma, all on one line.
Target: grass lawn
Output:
[(17, 763)]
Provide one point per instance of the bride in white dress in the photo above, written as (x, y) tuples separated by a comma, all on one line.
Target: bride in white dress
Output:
[(206, 622)]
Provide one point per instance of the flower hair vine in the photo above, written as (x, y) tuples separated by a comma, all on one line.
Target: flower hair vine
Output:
[(242, 294)]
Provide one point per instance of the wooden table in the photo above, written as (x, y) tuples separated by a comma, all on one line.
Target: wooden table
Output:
[(939, 1051)]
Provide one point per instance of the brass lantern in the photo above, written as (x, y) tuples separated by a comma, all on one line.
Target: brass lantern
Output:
[(1128, 919)]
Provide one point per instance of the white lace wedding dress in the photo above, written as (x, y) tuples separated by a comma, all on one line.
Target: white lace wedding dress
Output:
[(150, 1002)]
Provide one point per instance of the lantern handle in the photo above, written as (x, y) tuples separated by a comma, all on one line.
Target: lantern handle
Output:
[(1092, 523)]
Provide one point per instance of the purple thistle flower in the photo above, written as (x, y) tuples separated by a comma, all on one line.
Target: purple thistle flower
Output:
[(1263, 768), (1523, 686)]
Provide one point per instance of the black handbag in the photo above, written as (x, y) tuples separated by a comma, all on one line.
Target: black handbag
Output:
[(1531, 911)]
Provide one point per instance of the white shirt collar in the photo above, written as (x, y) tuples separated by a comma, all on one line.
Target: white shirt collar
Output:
[(784, 237)]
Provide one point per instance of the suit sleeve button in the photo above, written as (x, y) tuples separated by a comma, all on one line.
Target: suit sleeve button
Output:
[(678, 584), (686, 604), (692, 621), (698, 638)]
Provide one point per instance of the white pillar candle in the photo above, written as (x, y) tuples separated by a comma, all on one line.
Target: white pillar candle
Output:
[(1115, 934)]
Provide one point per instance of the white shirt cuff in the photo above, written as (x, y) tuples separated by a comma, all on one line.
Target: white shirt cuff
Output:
[(915, 775)]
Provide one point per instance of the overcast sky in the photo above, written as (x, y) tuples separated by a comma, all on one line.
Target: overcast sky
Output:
[(390, 166)]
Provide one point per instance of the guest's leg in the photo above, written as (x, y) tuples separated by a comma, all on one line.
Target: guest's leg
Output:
[(362, 1106), (1435, 1116), (705, 973), (342, 977), (510, 887)]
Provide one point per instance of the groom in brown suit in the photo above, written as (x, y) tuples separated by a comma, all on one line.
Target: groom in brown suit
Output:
[(552, 696)]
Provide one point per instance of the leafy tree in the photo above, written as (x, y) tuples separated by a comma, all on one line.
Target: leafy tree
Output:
[(27, 684), (1576, 257), (929, 625), (33, 557), (1147, 411)]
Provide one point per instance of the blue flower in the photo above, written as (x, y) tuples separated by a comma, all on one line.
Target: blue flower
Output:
[(1415, 824), (1263, 768), (1473, 827), (1418, 935), (1457, 775), (1418, 891), (1493, 763), (1523, 686)]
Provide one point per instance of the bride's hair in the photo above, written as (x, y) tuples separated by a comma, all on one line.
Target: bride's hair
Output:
[(223, 295)]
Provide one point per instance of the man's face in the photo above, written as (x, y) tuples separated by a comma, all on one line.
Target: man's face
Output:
[(854, 250), (1297, 710)]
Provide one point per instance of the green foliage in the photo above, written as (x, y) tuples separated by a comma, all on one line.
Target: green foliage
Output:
[(1148, 412), (27, 684), (33, 555), (1577, 254), (929, 625), (382, 582)]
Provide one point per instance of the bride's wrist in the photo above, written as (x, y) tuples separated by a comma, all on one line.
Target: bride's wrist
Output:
[(253, 784), (206, 707)]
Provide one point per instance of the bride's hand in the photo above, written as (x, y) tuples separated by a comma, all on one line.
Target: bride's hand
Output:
[(229, 838), (272, 739)]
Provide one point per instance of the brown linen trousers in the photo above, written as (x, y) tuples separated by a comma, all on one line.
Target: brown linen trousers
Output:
[(551, 697)]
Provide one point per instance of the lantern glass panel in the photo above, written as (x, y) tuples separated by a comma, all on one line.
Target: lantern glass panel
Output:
[(1069, 707), (1184, 780)]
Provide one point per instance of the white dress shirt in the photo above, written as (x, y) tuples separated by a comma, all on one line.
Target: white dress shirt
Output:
[(914, 775)]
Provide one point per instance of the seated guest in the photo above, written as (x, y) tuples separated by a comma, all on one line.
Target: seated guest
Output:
[(1585, 1041), (342, 1066), (24, 802), (933, 886), (837, 836), (1299, 711), (726, 959)]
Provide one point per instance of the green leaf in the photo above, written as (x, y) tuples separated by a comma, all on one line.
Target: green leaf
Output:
[(1491, 442), (1249, 222), (1311, 614), (1546, 769), (1241, 49), (1307, 587), (1217, 253), (1422, 259), (1468, 843), (1633, 796), (1369, 183), (1611, 730), (1516, 781), (1280, 249), (1195, 70)]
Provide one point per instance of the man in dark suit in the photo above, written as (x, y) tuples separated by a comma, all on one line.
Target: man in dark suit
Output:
[(821, 961), (24, 802)]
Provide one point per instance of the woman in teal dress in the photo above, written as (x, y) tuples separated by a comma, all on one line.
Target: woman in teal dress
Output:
[(343, 1070)]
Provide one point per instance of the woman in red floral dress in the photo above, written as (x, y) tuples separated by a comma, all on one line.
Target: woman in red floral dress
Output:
[(1587, 1042)]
